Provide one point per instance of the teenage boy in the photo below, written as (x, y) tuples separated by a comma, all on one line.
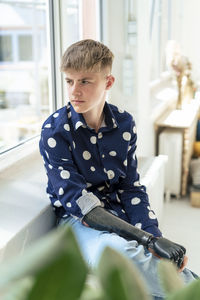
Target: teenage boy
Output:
[(89, 151)]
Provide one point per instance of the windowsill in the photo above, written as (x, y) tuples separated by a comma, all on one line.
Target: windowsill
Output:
[(163, 95), (25, 212), (15, 155)]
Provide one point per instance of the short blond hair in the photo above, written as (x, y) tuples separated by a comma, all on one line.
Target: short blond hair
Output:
[(87, 55)]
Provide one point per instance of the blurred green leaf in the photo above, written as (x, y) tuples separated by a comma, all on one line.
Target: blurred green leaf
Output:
[(17, 290), (171, 280), (93, 289), (189, 292), (120, 278), (56, 264)]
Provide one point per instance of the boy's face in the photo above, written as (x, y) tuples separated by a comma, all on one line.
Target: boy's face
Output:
[(87, 89)]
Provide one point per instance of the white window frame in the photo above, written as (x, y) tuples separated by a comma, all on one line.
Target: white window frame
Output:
[(15, 45), (29, 146), (57, 91)]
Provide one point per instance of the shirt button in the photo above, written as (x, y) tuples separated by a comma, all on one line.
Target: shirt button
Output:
[(100, 135)]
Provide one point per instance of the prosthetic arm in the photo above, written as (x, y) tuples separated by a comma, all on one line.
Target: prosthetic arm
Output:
[(100, 219)]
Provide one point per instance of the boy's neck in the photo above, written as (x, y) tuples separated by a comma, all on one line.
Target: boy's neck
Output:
[(94, 120)]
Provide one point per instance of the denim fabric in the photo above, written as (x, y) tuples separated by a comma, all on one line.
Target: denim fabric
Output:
[(92, 243)]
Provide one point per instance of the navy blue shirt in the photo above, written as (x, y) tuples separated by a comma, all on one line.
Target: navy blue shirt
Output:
[(86, 169)]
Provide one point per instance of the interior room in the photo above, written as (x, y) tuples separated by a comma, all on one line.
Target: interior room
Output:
[(156, 66)]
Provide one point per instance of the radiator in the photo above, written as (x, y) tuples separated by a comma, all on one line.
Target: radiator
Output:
[(170, 144)]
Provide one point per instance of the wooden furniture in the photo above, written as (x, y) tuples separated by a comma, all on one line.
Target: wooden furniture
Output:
[(184, 120)]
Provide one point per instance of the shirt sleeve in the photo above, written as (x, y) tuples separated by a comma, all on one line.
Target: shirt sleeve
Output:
[(133, 195), (68, 188)]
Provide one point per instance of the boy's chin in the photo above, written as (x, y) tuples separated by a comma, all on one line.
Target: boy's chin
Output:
[(78, 109)]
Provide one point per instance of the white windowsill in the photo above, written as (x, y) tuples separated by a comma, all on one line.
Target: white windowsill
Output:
[(25, 211), (15, 155), (163, 94)]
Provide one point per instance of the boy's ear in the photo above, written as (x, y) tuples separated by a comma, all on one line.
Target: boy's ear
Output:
[(110, 79)]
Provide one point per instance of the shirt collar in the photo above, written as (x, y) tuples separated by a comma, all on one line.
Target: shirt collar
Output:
[(79, 121), (110, 119)]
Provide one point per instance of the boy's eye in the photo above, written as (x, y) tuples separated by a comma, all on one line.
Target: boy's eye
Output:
[(69, 81), (84, 81)]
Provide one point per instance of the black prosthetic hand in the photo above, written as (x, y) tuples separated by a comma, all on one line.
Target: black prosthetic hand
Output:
[(167, 249), (102, 220)]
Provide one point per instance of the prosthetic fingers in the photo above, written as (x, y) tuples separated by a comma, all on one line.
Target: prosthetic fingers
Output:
[(102, 220)]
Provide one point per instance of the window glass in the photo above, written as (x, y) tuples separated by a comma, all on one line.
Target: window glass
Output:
[(24, 92), (5, 48), (25, 48), (160, 15)]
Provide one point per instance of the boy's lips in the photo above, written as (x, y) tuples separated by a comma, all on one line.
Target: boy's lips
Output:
[(77, 101)]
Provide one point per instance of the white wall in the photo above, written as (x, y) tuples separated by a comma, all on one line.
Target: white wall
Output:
[(136, 103), (184, 26)]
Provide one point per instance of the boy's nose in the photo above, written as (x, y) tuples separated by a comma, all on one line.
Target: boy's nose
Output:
[(76, 90)]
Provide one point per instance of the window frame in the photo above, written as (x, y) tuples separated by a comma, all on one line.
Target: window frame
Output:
[(57, 90), (28, 146)]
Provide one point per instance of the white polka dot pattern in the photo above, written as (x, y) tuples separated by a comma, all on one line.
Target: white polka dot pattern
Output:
[(64, 174), (125, 163), (86, 155), (110, 174), (78, 124), (51, 142), (152, 215), (57, 203), (47, 126), (127, 136), (61, 191), (55, 115), (138, 225), (64, 159), (66, 127), (112, 153), (135, 201), (93, 139)]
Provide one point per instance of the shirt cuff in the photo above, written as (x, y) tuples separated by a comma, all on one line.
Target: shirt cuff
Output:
[(87, 202)]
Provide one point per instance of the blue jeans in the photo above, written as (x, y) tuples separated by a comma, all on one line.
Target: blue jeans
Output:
[(92, 243)]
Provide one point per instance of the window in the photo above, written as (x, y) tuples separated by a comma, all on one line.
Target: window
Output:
[(24, 72), (160, 17), (25, 42), (33, 36), (5, 48)]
